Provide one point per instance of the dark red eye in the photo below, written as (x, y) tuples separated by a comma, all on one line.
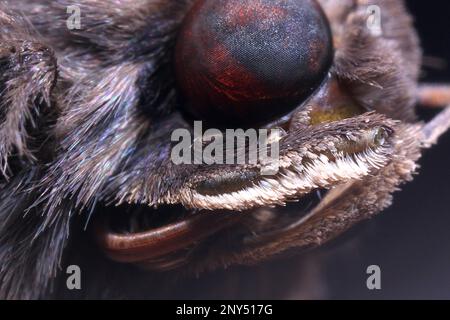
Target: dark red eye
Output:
[(242, 62)]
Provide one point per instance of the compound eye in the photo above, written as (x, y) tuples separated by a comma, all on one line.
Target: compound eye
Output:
[(247, 62)]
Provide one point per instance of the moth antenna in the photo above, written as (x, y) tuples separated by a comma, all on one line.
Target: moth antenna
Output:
[(434, 129)]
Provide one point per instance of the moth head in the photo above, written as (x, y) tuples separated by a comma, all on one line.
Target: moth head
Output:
[(342, 97), (89, 115)]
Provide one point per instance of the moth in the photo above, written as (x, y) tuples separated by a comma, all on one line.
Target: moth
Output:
[(87, 116)]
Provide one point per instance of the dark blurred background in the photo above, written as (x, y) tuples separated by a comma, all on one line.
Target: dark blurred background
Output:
[(411, 240)]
